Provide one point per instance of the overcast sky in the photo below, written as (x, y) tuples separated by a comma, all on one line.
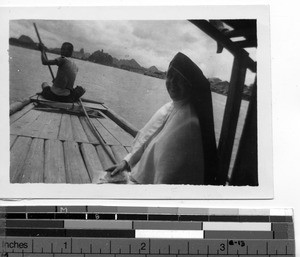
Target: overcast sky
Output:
[(148, 42)]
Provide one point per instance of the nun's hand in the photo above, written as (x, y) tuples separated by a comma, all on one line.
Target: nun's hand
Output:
[(123, 165)]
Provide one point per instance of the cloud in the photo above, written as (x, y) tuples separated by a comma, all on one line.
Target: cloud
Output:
[(149, 42)]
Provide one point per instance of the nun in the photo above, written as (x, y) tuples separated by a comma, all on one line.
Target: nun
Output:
[(177, 145)]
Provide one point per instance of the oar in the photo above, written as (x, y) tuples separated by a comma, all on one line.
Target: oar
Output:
[(88, 119), (38, 35), (97, 134)]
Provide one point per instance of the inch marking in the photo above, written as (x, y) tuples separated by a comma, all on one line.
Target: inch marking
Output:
[(71, 245)]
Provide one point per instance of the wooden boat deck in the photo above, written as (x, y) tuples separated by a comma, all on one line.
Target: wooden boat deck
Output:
[(54, 147)]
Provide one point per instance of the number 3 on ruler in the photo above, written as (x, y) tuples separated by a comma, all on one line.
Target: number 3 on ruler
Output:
[(222, 247)]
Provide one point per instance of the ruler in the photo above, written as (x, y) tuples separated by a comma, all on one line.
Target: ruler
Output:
[(90, 231)]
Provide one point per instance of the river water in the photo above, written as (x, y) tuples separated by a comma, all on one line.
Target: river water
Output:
[(133, 96)]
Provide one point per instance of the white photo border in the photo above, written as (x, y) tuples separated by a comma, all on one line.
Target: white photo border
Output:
[(109, 191)]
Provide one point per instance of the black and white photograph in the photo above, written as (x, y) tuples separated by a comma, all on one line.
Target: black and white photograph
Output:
[(151, 106)]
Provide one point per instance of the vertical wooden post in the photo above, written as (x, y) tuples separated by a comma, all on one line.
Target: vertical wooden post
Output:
[(231, 114), (245, 171)]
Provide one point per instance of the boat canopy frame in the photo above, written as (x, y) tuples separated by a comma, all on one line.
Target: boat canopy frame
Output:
[(245, 170)]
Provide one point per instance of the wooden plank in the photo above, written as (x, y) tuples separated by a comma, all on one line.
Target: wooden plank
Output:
[(12, 140), (90, 135), (51, 128), (23, 122), (78, 131), (76, 172), (36, 127), (105, 160), (20, 113), (33, 170), (92, 161), (94, 106), (65, 131), (18, 155), (106, 135), (54, 162), (119, 152), (122, 136)]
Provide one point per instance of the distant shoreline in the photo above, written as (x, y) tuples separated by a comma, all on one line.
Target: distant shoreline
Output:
[(216, 85)]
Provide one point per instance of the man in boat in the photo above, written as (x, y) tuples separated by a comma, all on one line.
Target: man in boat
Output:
[(62, 89), (177, 145)]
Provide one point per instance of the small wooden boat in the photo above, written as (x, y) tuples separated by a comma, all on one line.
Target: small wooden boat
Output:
[(54, 142)]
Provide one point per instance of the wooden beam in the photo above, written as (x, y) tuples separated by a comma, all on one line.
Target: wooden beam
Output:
[(214, 33), (231, 115), (245, 170), (240, 33), (246, 43)]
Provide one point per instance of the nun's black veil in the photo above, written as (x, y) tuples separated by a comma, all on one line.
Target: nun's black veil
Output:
[(202, 101)]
